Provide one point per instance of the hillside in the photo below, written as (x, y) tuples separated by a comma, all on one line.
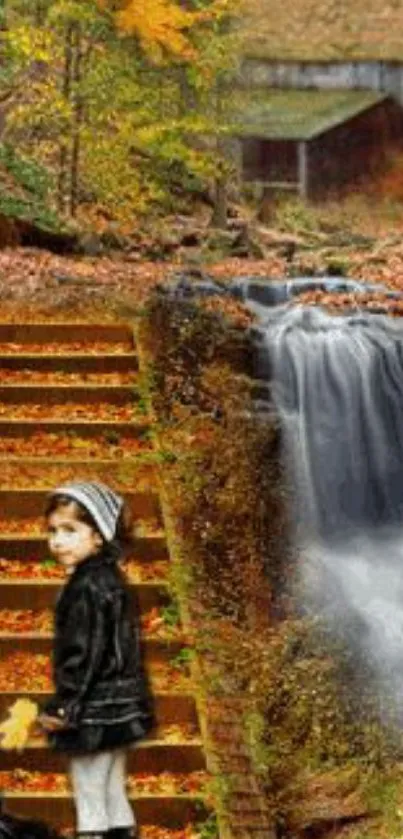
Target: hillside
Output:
[(322, 30)]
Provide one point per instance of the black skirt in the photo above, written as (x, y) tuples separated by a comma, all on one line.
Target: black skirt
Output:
[(87, 739)]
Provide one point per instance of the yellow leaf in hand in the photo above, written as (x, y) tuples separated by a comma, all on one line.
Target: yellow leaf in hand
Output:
[(16, 728)]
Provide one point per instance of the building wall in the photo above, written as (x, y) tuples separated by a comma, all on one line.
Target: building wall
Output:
[(384, 76), (361, 146), (335, 159), (264, 160)]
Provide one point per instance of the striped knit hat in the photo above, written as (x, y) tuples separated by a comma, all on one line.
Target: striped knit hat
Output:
[(101, 502)]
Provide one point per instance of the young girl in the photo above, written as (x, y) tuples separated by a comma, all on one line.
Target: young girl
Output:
[(101, 702)]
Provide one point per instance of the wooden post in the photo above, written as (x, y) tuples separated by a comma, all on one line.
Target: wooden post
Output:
[(303, 171)]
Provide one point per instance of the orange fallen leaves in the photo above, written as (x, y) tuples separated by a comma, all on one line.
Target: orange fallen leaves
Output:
[(35, 526), (31, 475), (23, 621), (40, 621), (69, 410), (31, 569), (51, 444), (66, 348), (375, 302), (155, 832), (27, 526), (168, 782), (232, 309), (31, 375), (25, 672), (21, 780), (164, 783)]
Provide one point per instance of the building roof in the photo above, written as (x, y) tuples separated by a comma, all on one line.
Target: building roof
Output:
[(320, 30), (277, 114)]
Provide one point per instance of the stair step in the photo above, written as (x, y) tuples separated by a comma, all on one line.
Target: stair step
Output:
[(35, 547), (19, 505), (22, 672), (41, 443), (42, 594), (78, 363), (67, 404), (17, 536), (87, 373), (56, 393), (150, 755), (191, 830), (65, 333), (86, 428), (115, 442), (78, 347), (27, 560), (71, 404), (155, 649), (197, 830), (172, 811), (44, 474), (66, 413), (23, 624), (169, 708)]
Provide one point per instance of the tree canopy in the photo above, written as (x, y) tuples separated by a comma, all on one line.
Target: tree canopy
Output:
[(117, 101)]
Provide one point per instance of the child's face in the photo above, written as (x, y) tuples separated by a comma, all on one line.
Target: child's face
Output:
[(70, 540)]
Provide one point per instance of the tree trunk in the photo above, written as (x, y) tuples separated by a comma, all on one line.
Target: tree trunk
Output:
[(3, 25), (77, 120), (219, 217), (64, 141), (40, 12)]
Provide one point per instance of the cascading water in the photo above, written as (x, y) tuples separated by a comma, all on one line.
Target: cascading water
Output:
[(337, 382)]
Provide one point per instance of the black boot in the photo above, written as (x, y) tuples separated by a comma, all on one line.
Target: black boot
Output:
[(123, 833)]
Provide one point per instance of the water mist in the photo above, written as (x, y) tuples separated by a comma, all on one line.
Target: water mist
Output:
[(337, 382)]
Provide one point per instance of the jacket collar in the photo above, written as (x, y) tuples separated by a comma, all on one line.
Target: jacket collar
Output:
[(107, 555)]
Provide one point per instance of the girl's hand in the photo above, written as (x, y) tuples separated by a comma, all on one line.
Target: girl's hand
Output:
[(49, 723)]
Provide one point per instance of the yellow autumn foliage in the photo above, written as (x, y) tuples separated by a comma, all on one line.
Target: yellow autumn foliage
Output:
[(14, 731), (163, 27)]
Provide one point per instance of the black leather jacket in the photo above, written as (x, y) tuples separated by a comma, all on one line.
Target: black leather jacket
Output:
[(101, 691)]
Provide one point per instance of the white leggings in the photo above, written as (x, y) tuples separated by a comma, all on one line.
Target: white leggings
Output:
[(99, 788)]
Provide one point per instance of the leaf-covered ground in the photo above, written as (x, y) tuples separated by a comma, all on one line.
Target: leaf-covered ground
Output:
[(36, 283)]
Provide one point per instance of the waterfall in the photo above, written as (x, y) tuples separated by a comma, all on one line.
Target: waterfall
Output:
[(337, 382), (337, 385)]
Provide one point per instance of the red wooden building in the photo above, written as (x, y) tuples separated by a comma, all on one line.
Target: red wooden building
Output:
[(315, 142)]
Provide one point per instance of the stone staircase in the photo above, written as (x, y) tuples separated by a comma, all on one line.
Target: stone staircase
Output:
[(69, 408)]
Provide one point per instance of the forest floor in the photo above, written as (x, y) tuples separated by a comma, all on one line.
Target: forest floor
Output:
[(37, 282)]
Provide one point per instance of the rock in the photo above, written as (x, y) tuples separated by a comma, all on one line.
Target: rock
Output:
[(191, 238), (90, 244), (193, 284)]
